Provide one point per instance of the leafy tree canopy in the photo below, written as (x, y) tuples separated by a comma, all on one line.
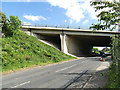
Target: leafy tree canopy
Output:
[(15, 22), (8, 26), (3, 20), (109, 18)]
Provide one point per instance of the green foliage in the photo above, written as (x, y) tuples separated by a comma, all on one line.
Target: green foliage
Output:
[(14, 23), (3, 21), (108, 19), (95, 50), (22, 50), (8, 26), (113, 79)]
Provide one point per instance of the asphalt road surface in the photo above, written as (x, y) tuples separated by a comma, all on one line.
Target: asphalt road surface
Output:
[(62, 75)]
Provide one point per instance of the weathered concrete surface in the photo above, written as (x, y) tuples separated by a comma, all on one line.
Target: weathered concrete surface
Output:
[(78, 47), (78, 42)]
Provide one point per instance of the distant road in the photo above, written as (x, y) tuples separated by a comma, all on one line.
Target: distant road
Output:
[(62, 75)]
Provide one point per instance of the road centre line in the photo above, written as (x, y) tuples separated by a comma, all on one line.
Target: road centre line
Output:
[(66, 68), (84, 61), (69, 66), (21, 84)]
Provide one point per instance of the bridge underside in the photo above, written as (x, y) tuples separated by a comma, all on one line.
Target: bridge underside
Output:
[(82, 45), (78, 45)]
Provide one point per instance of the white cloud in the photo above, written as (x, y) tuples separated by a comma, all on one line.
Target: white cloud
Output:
[(76, 9), (65, 21), (86, 21), (34, 18), (71, 21), (72, 7)]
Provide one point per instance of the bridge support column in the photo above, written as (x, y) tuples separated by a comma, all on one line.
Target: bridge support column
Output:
[(63, 43)]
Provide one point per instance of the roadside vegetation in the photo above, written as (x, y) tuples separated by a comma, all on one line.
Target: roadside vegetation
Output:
[(20, 50), (95, 50), (109, 19)]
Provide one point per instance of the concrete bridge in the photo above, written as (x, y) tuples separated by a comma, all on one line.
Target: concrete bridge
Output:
[(78, 42)]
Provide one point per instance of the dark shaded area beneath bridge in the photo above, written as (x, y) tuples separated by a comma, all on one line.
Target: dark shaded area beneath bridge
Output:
[(51, 39), (78, 45), (102, 41), (82, 45)]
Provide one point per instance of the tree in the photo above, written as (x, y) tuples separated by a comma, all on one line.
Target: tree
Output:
[(3, 21), (109, 18), (8, 26), (95, 49), (15, 23)]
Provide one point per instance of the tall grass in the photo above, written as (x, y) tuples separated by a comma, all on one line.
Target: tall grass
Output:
[(22, 50)]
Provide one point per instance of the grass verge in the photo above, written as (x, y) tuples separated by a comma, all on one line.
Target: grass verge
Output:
[(22, 50), (112, 78)]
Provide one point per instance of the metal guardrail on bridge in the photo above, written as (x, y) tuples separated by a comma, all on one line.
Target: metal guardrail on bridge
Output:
[(55, 26)]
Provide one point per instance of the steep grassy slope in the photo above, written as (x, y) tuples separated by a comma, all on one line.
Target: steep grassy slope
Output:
[(22, 50)]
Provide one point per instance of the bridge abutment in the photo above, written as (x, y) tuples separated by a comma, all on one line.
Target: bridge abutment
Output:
[(74, 46)]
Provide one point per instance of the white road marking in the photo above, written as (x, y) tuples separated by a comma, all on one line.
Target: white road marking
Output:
[(66, 68), (83, 61), (69, 66), (21, 84)]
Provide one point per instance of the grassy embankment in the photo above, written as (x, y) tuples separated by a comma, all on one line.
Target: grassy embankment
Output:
[(22, 50)]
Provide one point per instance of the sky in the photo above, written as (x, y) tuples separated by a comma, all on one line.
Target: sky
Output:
[(51, 12)]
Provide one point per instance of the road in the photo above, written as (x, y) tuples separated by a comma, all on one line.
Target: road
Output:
[(62, 75)]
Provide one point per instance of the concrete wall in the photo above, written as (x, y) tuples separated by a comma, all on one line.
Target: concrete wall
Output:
[(74, 46)]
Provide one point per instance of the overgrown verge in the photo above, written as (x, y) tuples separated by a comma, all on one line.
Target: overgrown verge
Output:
[(22, 50), (114, 70), (108, 19), (112, 78)]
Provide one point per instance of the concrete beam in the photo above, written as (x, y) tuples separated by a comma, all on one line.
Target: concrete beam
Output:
[(86, 33), (47, 32)]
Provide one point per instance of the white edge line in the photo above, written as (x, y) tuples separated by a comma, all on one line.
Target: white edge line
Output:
[(20, 84)]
